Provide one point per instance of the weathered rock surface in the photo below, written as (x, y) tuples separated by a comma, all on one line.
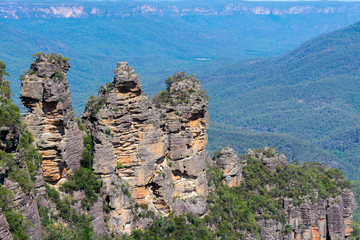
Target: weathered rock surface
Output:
[(269, 157), (325, 219), (26, 204), (231, 165), (159, 152), (149, 154), (51, 119), (5, 233), (98, 217)]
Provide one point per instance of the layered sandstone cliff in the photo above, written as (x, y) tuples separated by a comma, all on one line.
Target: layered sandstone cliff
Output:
[(329, 218), (150, 155), (158, 155), (51, 119)]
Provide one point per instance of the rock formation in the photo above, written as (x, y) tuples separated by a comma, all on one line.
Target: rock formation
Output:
[(231, 166), (5, 233), (26, 204), (51, 119), (151, 158), (269, 157), (329, 218), (159, 152)]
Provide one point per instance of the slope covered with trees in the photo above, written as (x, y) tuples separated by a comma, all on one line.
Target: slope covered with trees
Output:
[(308, 97)]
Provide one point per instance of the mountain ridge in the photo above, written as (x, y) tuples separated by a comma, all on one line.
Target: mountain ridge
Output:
[(115, 9), (137, 168), (309, 93)]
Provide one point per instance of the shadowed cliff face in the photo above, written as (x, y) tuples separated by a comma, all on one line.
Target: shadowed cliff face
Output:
[(51, 119), (159, 152)]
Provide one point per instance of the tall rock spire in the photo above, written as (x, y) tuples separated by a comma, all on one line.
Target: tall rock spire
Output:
[(51, 118), (137, 143)]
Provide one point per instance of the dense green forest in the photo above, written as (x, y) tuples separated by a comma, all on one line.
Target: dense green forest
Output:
[(300, 112), (234, 212), (307, 98), (156, 46), (278, 96), (304, 103)]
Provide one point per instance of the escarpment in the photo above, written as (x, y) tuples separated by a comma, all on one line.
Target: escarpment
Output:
[(315, 202), (158, 152), (51, 119), (156, 175)]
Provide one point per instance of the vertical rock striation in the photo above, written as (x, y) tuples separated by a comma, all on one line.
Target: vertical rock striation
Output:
[(51, 119), (26, 204), (185, 119), (156, 154), (313, 218), (5, 233)]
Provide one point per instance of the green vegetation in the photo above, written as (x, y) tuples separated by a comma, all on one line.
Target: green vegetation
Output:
[(3, 70), (53, 56), (83, 179), (356, 233), (234, 212), (78, 227), (94, 104), (31, 156), (178, 77), (356, 214), (15, 219), (309, 96), (25, 177), (58, 76), (119, 165), (163, 98), (9, 113), (5, 91), (178, 97), (87, 157), (107, 88)]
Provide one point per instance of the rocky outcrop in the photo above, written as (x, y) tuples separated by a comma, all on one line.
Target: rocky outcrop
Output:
[(184, 119), (325, 219), (349, 206), (26, 204), (269, 157), (231, 165), (5, 233), (51, 119), (329, 218), (151, 158), (159, 152)]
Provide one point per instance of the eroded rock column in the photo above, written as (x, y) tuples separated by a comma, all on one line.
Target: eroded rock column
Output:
[(154, 156), (51, 118)]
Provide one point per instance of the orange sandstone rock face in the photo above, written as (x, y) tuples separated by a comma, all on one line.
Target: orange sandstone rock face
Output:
[(157, 151), (51, 119)]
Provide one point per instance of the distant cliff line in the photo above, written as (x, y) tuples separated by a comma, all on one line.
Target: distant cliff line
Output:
[(13, 10)]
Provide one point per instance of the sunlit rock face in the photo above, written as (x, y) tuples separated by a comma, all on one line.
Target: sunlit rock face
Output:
[(51, 118), (159, 151)]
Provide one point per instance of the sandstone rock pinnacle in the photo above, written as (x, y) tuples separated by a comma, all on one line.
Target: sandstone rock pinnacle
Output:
[(51, 118)]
